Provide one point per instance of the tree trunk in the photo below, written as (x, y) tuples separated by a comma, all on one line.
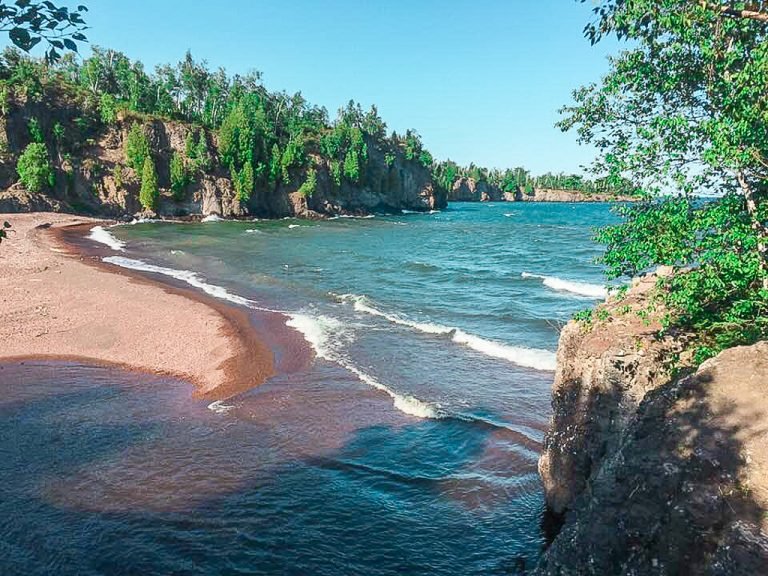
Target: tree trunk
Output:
[(761, 231)]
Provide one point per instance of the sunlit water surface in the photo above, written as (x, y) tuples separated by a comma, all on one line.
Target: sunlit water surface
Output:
[(407, 446)]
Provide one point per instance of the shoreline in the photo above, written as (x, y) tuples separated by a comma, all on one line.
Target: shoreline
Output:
[(92, 312)]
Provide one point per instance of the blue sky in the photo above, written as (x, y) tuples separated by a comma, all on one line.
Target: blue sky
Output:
[(480, 80)]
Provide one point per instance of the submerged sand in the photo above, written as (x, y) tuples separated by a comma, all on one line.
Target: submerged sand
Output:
[(56, 303)]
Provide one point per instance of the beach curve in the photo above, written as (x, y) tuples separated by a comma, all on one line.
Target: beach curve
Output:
[(57, 303)]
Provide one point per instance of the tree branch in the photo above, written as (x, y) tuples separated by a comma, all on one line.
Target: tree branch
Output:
[(758, 15)]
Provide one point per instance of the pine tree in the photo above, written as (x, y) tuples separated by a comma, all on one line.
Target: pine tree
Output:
[(149, 192), (246, 183), (179, 176)]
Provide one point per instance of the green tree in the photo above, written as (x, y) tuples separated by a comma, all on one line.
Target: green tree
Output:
[(149, 192), (245, 182), (34, 168), (683, 108), (136, 147), (180, 177), (108, 108)]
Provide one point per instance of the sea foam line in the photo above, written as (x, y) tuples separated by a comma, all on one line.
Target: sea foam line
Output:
[(528, 357), (317, 330), (191, 278), (103, 236), (578, 288)]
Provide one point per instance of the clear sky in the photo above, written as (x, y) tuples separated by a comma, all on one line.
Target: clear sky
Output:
[(480, 80)]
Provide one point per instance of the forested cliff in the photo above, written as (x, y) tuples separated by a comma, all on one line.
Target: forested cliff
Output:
[(104, 137)]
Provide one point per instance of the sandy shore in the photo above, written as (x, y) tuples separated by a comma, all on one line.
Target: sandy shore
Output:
[(54, 303)]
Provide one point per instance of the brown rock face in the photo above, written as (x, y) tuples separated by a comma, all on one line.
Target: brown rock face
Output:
[(468, 190), (655, 474)]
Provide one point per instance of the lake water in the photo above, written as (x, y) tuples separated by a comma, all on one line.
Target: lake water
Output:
[(408, 445)]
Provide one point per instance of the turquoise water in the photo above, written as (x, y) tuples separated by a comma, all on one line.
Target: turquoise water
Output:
[(407, 444)]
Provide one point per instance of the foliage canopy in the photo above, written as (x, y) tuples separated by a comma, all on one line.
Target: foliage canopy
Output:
[(683, 110)]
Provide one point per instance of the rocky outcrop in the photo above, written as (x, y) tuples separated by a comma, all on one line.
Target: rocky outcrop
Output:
[(16, 199), (468, 190), (653, 472), (550, 195), (384, 187)]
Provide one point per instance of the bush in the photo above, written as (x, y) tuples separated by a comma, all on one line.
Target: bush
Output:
[(136, 147), (117, 174), (310, 184), (34, 168), (35, 133), (149, 192), (108, 108)]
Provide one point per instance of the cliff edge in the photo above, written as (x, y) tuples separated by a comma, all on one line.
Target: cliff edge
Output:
[(652, 472)]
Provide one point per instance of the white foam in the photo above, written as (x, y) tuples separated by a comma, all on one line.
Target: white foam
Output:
[(212, 218), (578, 288), (219, 407), (104, 236), (177, 252), (520, 355), (191, 278), (509, 214), (325, 333), (143, 221), (294, 226), (254, 231)]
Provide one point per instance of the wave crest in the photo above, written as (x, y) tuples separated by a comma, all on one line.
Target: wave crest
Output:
[(103, 236), (578, 288), (522, 356), (324, 333)]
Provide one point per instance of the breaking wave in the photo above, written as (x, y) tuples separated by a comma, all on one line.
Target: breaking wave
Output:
[(528, 357), (325, 334), (103, 236), (578, 288)]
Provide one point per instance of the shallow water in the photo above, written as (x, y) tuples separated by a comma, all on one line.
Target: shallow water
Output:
[(408, 446)]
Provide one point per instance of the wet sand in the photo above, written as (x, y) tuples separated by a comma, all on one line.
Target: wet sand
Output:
[(57, 303)]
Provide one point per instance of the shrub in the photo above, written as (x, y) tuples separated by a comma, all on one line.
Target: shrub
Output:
[(117, 174), (108, 108), (35, 133), (310, 184), (336, 172), (34, 168), (149, 192)]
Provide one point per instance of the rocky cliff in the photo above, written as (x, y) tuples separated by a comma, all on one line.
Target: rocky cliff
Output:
[(549, 195), (650, 470), (92, 175), (468, 190)]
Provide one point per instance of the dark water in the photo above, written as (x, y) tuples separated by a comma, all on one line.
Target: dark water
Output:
[(408, 446)]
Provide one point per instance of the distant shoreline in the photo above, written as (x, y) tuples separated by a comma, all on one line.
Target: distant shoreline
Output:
[(59, 303)]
